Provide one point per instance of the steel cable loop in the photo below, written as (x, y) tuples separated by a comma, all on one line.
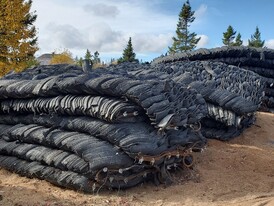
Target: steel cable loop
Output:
[(179, 152), (107, 177), (186, 162), (196, 127)]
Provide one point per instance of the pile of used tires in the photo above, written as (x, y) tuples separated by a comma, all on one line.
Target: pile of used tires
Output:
[(232, 95), (100, 129), (118, 126), (258, 60)]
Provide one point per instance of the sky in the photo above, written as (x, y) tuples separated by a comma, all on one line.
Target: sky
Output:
[(106, 25)]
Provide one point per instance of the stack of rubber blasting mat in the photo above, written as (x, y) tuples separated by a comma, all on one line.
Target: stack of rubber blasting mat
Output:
[(92, 130), (233, 95), (258, 60)]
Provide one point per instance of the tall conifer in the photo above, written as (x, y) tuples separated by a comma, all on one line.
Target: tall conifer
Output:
[(238, 40), (229, 36), (128, 53), (184, 40), (255, 40)]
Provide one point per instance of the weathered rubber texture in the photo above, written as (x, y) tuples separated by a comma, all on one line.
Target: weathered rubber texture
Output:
[(52, 157), (227, 87), (67, 121), (106, 83), (258, 60), (109, 109), (44, 71), (98, 153), (217, 130), (234, 92), (86, 157), (56, 176), (215, 81), (218, 78), (132, 138), (236, 55), (25, 141)]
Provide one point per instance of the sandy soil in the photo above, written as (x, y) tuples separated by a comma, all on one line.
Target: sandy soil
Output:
[(238, 172)]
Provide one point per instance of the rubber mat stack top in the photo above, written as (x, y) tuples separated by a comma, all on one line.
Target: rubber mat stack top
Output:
[(232, 95), (258, 60)]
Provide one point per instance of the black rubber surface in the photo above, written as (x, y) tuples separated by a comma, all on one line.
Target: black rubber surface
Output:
[(118, 126)]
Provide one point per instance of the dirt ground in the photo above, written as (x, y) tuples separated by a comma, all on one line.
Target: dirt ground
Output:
[(238, 172)]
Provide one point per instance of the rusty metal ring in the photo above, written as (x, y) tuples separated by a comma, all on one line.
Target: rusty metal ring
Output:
[(185, 162)]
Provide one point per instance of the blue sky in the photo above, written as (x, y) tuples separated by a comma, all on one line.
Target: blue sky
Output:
[(106, 25)]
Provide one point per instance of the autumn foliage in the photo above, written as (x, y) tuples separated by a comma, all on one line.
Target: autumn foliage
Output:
[(64, 57), (18, 41)]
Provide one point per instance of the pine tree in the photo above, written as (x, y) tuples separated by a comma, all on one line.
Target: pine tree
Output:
[(80, 62), (184, 41), (128, 54), (238, 41), (88, 55), (113, 61), (229, 36), (18, 41), (96, 59), (255, 40)]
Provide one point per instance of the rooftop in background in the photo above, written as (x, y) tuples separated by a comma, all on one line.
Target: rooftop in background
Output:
[(44, 59)]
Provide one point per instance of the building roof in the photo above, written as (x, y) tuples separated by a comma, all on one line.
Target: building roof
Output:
[(44, 59)]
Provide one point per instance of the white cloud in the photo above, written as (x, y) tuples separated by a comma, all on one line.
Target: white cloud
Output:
[(103, 38), (151, 42), (203, 41), (269, 43), (106, 27), (200, 17), (201, 11), (65, 35), (101, 9)]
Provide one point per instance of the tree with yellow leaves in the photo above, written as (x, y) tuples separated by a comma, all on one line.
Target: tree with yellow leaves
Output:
[(18, 41), (65, 57)]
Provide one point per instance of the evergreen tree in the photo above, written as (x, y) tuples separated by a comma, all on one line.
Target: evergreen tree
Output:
[(112, 60), (128, 54), (184, 41), (18, 41), (88, 55), (238, 41), (229, 36), (80, 62), (96, 59), (255, 40)]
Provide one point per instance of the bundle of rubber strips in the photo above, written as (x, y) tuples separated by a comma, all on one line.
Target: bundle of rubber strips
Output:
[(118, 126), (258, 60), (96, 130)]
